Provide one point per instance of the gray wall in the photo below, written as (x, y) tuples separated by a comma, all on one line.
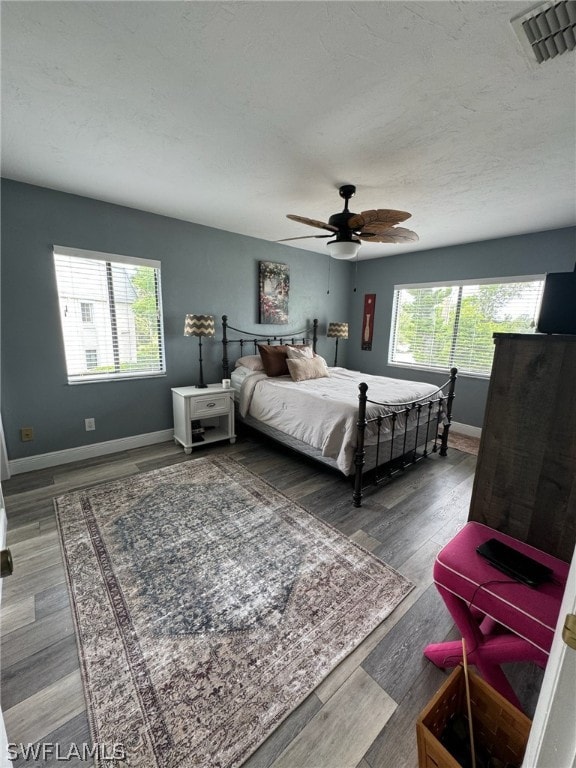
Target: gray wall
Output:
[(204, 270), (552, 251)]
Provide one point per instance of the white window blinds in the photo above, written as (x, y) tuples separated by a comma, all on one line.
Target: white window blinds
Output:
[(441, 326), (111, 315)]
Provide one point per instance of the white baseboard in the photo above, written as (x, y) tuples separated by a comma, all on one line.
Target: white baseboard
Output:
[(67, 456), (53, 459), (465, 429)]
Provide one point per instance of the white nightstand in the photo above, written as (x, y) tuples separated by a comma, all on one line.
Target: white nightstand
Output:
[(211, 410)]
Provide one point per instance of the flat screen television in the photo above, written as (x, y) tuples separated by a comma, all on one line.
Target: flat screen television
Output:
[(558, 308)]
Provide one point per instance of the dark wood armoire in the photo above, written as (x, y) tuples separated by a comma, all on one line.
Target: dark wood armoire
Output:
[(525, 482)]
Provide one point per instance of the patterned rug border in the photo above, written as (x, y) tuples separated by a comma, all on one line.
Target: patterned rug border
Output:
[(222, 463)]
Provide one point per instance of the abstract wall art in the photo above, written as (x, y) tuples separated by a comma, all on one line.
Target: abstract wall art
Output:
[(274, 285)]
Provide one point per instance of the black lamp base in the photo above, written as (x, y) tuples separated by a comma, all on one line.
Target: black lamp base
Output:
[(201, 384)]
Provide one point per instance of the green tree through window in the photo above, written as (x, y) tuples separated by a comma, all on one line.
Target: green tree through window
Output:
[(145, 309), (444, 326)]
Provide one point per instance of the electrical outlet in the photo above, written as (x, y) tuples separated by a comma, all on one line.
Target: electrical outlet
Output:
[(26, 434), (89, 424)]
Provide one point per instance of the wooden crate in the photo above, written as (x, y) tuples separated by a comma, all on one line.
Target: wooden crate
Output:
[(498, 725)]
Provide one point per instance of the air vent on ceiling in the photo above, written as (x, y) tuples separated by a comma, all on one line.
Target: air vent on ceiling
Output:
[(548, 29)]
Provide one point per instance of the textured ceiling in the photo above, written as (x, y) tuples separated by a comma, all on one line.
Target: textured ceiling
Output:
[(235, 114)]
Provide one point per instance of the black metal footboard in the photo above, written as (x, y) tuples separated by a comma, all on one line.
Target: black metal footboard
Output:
[(403, 434)]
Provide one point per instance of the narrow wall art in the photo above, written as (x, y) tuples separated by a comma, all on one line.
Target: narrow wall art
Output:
[(274, 284), (368, 321)]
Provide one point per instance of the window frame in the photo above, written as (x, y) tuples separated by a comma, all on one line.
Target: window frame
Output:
[(87, 311), (452, 284), (87, 354), (111, 260)]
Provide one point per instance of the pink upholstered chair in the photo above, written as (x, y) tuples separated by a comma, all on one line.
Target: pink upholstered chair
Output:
[(501, 620)]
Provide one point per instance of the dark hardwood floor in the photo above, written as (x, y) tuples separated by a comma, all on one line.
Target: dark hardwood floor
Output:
[(362, 716)]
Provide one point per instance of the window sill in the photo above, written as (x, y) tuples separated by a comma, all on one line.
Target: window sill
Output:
[(441, 371), (120, 377)]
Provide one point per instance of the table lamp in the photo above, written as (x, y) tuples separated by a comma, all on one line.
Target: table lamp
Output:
[(337, 331), (199, 325)]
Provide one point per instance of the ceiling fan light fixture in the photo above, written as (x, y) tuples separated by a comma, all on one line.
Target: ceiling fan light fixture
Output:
[(343, 249), (377, 225)]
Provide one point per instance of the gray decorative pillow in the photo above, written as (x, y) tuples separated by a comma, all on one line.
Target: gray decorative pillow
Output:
[(307, 368), (299, 352), (252, 362)]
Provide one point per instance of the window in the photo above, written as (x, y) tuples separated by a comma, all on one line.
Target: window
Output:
[(91, 358), (451, 324), (86, 310), (111, 314)]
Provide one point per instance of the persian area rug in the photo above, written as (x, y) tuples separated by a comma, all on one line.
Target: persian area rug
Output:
[(208, 605)]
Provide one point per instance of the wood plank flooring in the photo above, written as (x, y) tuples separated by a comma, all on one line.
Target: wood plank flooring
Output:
[(362, 715)]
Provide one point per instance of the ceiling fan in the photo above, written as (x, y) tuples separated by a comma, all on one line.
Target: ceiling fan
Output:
[(374, 226)]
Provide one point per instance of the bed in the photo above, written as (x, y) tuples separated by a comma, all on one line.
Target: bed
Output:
[(369, 428)]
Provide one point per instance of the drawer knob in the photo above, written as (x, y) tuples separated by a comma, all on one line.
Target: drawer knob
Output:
[(210, 405)]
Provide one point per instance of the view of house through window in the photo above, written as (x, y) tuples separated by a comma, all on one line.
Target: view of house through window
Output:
[(441, 326), (86, 311), (91, 358), (111, 314)]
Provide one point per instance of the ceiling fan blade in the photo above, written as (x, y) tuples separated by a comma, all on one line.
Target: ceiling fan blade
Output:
[(312, 222), (375, 228), (384, 216), (392, 235), (302, 237)]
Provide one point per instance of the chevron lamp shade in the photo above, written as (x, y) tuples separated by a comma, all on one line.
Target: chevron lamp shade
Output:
[(337, 331), (199, 325)]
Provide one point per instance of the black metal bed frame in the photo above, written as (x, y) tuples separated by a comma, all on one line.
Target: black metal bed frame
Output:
[(432, 411), (303, 335)]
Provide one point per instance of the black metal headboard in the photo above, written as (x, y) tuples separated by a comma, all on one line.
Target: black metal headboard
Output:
[(252, 340)]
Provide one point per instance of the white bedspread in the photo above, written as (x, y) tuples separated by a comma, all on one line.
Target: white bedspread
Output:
[(323, 412)]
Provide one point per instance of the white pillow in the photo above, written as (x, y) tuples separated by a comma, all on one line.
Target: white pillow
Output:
[(299, 353), (253, 362), (307, 368)]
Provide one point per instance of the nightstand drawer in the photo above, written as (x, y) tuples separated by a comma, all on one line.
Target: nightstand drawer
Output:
[(209, 406)]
